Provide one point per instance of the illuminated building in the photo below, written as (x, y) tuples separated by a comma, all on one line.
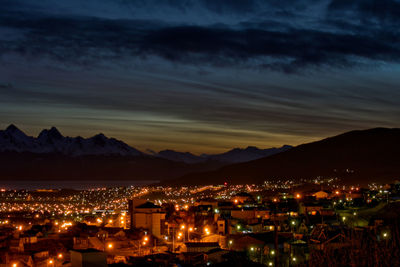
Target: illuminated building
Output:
[(148, 216)]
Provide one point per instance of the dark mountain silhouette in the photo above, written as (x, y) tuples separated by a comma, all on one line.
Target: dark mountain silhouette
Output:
[(355, 157), (235, 155)]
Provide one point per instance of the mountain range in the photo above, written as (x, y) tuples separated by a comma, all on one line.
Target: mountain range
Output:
[(361, 156), (51, 155), (51, 140)]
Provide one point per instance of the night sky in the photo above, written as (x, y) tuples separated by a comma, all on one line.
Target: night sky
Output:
[(201, 76)]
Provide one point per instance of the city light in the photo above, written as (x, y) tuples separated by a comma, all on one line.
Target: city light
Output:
[(207, 230), (110, 245)]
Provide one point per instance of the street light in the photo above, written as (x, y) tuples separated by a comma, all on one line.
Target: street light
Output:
[(110, 245), (207, 230)]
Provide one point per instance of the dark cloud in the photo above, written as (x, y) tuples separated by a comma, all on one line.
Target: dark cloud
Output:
[(383, 10), (84, 40)]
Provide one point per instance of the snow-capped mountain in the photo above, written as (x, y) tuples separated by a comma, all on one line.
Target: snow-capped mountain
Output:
[(52, 141), (235, 155)]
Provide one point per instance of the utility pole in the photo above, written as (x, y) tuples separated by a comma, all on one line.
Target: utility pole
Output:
[(173, 239), (276, 244)]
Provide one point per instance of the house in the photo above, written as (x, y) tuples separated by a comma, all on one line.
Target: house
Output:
[(242, 197), (321, 194), (216, 255), (88, 258), (310, 208), (200, 246), (148, 216), (16, 245)]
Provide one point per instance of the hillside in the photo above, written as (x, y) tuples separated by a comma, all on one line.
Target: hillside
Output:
[(356, 157)]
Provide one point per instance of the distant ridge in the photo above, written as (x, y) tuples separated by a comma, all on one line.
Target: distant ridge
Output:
[(360, 156), (232, 156)]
